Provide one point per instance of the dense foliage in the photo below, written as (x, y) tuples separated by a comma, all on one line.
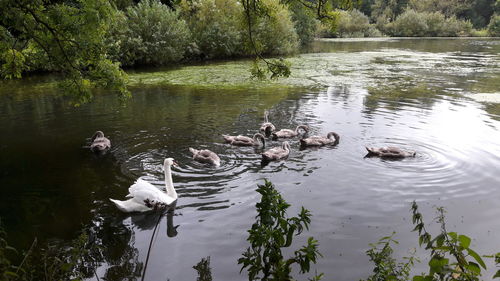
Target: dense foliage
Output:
[(355, 24), (413, 23), (216, 27), (494, 26), (61, 36), (447, 18), (148, 33)]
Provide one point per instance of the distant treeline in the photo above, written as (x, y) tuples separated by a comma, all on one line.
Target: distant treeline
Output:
[(411, 18)]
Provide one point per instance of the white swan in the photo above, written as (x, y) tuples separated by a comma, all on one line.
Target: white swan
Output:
[(143, 195)]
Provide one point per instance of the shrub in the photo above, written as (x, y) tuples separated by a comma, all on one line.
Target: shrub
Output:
[(216, 27), (355, 24), (352, 23), (412, 23), (148, 33), (494, 26), (275, 33)]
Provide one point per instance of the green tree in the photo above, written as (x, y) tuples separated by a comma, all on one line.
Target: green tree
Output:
[(69, 37)]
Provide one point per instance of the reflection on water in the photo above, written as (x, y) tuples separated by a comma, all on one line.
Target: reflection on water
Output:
[(386, 93)]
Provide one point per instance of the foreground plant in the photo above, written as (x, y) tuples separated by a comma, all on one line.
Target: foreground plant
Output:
[(272, 232), (386, 267), (451, 257)]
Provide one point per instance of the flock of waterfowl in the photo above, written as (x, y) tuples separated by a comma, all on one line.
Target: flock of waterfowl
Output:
[(143, 196)]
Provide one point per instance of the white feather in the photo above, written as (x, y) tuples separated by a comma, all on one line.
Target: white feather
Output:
[(142, 191)]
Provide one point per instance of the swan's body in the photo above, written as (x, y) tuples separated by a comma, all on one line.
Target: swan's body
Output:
[(389, 152), (287, 133), (267, 127), (331, 138), (245, 141), (99, 142), (205, 156), (145, 196), (277, 153)]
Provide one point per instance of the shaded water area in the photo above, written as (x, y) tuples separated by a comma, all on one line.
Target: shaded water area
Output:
[(417, 94)]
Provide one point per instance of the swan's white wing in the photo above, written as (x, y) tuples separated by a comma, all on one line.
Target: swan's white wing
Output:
[(142, 190)]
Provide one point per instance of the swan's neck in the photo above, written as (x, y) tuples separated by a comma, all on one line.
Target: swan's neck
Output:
[(168, 182), (265, 117)]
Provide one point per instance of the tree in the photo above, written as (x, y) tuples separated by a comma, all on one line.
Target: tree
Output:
[(66, 36)]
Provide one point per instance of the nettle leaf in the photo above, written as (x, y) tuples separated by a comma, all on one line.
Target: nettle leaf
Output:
[(464, 241), (453, 235), (437, 264), (474, 267), (476, 257)]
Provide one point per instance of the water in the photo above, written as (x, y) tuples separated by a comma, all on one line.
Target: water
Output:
[(416, 94)]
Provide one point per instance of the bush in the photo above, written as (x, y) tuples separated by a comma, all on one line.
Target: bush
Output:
[(216, 27), (274, 34), (148, 33), (352, 24), (412, 24), (348, 24), (494, 26)]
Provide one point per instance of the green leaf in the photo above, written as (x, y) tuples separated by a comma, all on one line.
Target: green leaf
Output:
[(437, 264), (474, 267), (453, 235), (476, 257), (464, 241), (497, 275)]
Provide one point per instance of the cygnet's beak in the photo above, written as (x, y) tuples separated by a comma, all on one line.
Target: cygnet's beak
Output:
[(175, 164)]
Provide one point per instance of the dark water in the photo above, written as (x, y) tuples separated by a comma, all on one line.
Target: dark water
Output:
[(52, 188)]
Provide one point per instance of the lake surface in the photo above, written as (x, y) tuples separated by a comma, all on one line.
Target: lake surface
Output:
[(438, 97)]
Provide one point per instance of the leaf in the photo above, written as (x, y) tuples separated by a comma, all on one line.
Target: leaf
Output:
[(474, 267), (476, 257), (437, 264), (289, 236), (497, 275), (453, 235), (464, 241)]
